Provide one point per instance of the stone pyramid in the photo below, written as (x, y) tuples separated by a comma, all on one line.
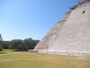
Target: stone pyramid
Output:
[(71, 36)]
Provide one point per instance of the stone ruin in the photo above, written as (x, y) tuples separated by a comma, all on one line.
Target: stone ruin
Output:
[(71, 36)]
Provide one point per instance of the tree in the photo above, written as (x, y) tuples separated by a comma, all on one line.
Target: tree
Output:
[(21, 45), (0, 48), (5, 44), (0, 37), (0, 43), (30, 43), (17, 44)]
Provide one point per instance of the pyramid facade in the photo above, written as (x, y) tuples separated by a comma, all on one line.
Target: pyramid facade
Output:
[(71, 36)]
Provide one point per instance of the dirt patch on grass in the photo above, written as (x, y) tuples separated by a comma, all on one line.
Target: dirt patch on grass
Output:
[(51, 60), (2, 53)]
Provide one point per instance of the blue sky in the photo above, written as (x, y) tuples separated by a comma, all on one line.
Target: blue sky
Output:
[(20, 19)]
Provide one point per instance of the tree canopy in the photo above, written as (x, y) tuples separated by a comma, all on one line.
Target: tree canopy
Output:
[(0, 42), (18, 44)]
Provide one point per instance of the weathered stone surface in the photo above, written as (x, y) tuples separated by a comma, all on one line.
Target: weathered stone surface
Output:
[(70, 36)]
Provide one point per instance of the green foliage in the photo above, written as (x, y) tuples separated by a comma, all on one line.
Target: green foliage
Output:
[(0, 48), (16, 44), (0, 37), (30, 43), (5, 44), (20, 45), (0, 42), (8, 50)]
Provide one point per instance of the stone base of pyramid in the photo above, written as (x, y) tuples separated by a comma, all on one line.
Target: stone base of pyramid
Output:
[(59, 53), (33, 51), (64, 53)]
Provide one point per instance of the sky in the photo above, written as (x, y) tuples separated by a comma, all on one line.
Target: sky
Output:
[(20, 19)]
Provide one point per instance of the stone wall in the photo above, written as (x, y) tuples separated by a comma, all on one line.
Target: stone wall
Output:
[(70, 36)]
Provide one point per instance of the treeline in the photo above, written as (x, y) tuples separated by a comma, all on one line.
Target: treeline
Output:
[(20, 45)]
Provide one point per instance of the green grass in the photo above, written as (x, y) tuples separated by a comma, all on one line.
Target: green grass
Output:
[(28, 60), (7, 50)]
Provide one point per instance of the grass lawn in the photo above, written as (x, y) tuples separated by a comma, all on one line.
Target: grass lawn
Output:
[(28, 60), (7, 50)]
